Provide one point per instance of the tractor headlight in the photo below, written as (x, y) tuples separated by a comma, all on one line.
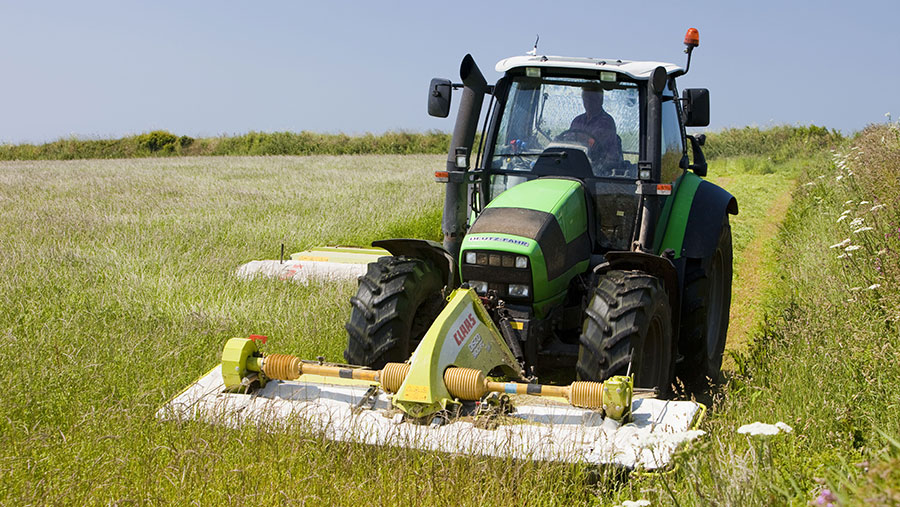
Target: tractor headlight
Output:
[(478, 286), (470, 257), (518, 290), (521, 261)]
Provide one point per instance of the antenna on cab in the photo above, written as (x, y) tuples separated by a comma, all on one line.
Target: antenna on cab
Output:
[(533, 51)]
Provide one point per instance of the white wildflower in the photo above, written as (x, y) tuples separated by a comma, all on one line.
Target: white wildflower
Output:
[(763, 429), (863, 203), (854, 289), (635, 503), (852, 248), (849, 173), (842, 256), (863, 229), (841, 218), (849, 201), (877, 207), (842, 244), (846, 212), (822, 177), (856, 222), (874, 286), (839, 178)]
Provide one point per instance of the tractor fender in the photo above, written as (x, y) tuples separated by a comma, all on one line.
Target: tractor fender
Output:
[(704, 224), (424, 249), (656, 265), (692, 218)]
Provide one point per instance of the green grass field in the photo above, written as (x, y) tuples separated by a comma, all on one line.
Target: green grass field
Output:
[(118, 291)]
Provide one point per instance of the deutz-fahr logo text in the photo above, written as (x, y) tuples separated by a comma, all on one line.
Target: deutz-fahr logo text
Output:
[(464, 329)]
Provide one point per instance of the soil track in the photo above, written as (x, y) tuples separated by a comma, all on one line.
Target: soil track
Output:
[(752, 277)]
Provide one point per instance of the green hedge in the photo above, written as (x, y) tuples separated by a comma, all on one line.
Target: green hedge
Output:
[(777, 143), (160, 143)]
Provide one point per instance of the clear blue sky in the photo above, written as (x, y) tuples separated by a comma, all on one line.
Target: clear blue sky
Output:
[(107, 69)]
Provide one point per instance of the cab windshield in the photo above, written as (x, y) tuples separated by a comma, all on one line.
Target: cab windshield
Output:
[(600, 118)]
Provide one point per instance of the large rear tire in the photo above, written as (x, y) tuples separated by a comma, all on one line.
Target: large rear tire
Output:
[(705, 312), (628, 320), (397, 300)]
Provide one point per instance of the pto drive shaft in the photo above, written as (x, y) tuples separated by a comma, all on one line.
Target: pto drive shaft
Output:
[(613, 395)]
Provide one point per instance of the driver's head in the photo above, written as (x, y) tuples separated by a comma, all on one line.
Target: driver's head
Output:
[(592, 96)]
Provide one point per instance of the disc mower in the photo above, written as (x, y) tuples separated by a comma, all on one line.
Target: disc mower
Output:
[(585, 266)]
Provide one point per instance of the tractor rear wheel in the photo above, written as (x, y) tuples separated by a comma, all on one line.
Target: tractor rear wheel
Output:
[(397, 300), (628, 320), (705, 312)]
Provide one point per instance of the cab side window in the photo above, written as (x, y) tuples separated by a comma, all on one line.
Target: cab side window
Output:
[(672, 143)]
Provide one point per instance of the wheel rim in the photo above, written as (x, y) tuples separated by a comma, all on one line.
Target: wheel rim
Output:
[(714, 308)]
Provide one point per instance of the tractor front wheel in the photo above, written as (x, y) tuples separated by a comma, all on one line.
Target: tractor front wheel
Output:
[(397, 300), (628, 320)]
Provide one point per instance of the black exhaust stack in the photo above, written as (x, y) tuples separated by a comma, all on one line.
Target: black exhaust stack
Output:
[(650, 208), (453, 224)]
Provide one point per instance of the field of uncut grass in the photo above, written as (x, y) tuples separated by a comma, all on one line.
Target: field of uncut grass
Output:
[(118, 291)]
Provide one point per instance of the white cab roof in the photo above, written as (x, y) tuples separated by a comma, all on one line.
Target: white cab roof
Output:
[(636, 70)]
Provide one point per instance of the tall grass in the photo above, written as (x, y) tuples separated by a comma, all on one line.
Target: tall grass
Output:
[(825, 360)]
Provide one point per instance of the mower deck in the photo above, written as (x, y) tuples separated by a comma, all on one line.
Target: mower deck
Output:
[(328, 263), (537, 429)]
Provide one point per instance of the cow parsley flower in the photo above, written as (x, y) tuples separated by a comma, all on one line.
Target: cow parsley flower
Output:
[(842, 244), (852, 248), (863, 229)]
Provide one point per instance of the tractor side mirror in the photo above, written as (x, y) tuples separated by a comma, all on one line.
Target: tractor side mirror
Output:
[(439, 93), (699, 166), (695, 102)]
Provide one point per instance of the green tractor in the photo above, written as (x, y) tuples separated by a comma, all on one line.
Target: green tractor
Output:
[(586, 230)]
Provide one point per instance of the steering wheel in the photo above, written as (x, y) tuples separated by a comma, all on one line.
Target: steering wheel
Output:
[(579, 136)]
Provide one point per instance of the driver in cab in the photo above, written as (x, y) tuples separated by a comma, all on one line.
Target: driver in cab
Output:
[(604, 144)]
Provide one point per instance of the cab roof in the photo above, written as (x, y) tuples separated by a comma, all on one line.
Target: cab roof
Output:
[(635, 70)]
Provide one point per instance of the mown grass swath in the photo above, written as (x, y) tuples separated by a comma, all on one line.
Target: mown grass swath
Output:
[(118, 292)]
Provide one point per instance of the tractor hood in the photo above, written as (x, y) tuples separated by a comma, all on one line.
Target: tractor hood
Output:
[(545, 220)]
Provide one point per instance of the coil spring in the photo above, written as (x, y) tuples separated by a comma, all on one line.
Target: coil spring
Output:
[(393, 375), (281, 367), (587, 394), (465, 383)]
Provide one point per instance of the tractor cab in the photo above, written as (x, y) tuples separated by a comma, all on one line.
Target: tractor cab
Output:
[(587, 119)]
